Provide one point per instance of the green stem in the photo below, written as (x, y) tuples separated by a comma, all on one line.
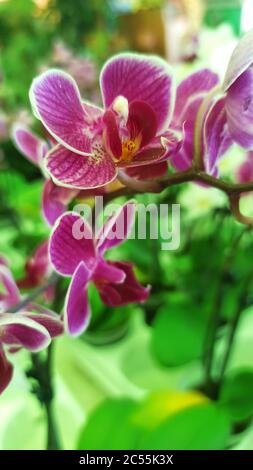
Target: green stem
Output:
[(215, 317), (233, 327), (36, 293)]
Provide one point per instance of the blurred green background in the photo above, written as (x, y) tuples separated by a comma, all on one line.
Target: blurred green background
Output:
[(136, 378)]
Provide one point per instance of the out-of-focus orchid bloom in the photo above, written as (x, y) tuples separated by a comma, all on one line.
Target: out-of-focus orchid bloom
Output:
[(94, 144), (55, 199), (75, 252), (82, 69), (31, 329), (37, 269), (238, 85), (214, 138), (244, 173), (9, 293)]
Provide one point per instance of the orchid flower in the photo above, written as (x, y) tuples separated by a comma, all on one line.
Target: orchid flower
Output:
[(214, 138), (95, 145), (37, 269), (31, 328), (55, 199), (81, 256), (238, 85)]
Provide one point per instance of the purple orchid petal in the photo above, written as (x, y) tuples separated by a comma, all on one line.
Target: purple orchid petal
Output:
[(146, 156), (70, 243), (11, 294), (127, 292), (56, 101), (77, 312), (6, 371), (18, 330), (55, 200), (93, 113), (239, 108), (48, 319), (182, 159), (117, 228), (194, 86), (3, 261), (245, 171), (139, 77), (70, 170), (217, 140), (149, 154), (160, 149), (141, 122), (148, 172), (28, 144), (106, 272), (241, 59), (112, 133)]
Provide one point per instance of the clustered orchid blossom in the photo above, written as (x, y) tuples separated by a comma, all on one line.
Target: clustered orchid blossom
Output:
[(31, 327), (76, 253), (143, 132)]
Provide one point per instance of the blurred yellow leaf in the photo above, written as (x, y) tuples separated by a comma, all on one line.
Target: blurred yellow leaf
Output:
[(160, 405)]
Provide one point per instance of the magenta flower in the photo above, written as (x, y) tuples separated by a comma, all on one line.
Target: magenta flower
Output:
[(37, 267), (37, 270), (95, 144), (75, 253), (31, 329), (214, 138), (55, 199), (238, 84)]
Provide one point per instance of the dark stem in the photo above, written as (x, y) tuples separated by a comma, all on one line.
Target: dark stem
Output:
[(233, 190), (42, 367), (42, 372)]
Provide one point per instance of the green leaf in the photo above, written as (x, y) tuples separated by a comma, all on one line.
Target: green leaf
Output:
[(178, 334), (203, 427), (237, 395), (110, 427)]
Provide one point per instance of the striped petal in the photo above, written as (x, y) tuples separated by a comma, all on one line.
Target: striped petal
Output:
[(70, 170), (139, 77), (239, 108), (117, 228), (56, 101), (70, 243)]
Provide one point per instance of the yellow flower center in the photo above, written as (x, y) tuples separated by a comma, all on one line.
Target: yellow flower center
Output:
[(130, 148)]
